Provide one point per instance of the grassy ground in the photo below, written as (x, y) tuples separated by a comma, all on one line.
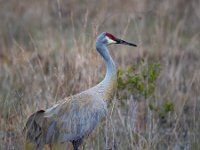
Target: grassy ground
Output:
[(47, 52)]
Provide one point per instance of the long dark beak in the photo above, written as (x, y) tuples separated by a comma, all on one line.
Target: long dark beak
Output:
[(119, 41)]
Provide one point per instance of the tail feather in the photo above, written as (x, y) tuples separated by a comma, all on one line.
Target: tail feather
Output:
[(33, 129)]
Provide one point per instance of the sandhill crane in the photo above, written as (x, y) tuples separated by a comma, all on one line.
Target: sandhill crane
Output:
[(76, 116)]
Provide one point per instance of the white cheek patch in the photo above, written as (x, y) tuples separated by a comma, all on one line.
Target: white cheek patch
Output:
[(110, 41)]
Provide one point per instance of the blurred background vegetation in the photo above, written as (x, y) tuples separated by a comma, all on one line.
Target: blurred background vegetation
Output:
[(47, 52)]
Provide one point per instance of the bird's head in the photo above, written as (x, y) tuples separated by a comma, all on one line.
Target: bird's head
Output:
[(107, 39)]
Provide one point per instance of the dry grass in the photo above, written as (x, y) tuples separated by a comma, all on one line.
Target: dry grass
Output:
[(47, 52)]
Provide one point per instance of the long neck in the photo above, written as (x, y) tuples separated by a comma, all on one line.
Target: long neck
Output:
[(108, 85), (110, 69)]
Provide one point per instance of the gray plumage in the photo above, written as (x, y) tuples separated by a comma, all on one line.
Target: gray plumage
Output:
[(76, 116)]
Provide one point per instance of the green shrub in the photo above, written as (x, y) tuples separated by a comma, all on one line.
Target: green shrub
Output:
[(142, 83)]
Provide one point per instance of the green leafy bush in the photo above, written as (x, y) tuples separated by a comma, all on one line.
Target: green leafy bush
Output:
[(142, 83)]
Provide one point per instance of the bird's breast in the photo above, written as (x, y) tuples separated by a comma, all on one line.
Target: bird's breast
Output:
[(109, 89)]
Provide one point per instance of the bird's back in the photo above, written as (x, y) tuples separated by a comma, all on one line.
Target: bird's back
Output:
[(68, 120)]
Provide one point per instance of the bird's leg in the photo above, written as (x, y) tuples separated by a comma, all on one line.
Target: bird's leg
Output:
[(76, 143)]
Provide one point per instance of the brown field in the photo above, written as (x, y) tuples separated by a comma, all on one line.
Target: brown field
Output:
[(47, 52)]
